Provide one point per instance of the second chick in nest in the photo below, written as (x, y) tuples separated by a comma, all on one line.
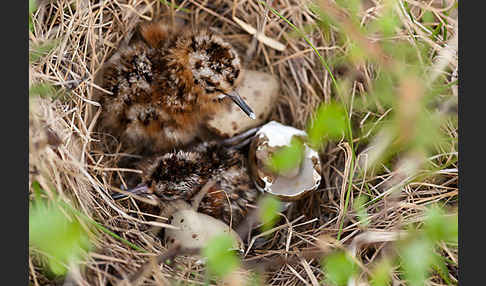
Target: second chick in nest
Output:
[(164, 83), (181, 175)]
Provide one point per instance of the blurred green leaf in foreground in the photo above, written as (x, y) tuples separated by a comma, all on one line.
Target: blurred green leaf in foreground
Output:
[(269, 207), (60, 239), (329, 123), (339, 268), (221, 259), (418, 251), (288, 157)]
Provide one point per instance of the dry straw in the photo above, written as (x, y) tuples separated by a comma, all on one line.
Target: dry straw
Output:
[(67, 156)]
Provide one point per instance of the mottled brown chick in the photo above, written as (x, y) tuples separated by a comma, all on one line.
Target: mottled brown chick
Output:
[(164, 83), (182, 174)]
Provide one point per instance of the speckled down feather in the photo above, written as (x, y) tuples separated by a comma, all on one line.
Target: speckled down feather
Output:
[(163, 84), (182, 174)]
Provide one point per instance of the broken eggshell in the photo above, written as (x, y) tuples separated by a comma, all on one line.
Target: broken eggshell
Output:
[(194, 230), (259, 90), (293, 184)]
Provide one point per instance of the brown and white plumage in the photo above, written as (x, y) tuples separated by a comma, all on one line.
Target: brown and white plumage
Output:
[(164, 83), (180, 175)]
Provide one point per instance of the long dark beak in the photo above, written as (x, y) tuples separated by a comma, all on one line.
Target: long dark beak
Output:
[(241, 103), (138, 190)]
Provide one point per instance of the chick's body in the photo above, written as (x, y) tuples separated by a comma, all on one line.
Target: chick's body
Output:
[(182, 174), (163, 84)]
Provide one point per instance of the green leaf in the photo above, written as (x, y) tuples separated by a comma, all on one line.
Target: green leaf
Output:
[(386, 24), (339, 268), (32, 6), (381, 274), (440, 267), (428, 17), (37, 191), (221, 260), (269, 207), (439, 226), (61, 238), (330, 122), (417, 257), (288, 157), (43, 90)]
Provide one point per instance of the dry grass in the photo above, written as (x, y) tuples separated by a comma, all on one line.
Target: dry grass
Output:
[(81, 170)]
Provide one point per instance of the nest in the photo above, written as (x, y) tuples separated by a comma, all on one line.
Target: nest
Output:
[(68, 156)]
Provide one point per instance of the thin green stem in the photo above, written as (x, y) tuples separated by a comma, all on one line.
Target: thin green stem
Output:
[(348, 122), (102, 228)]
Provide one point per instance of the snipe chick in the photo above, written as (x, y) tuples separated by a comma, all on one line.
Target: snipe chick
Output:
[(164, 83), (180, 175)]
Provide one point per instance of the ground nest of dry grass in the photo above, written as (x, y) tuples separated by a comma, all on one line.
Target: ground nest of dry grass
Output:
[(66, 153)]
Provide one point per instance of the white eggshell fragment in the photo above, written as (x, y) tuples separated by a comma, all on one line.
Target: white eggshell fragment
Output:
[(259, 90), (196, 229), (295, 183), (307, 180)]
